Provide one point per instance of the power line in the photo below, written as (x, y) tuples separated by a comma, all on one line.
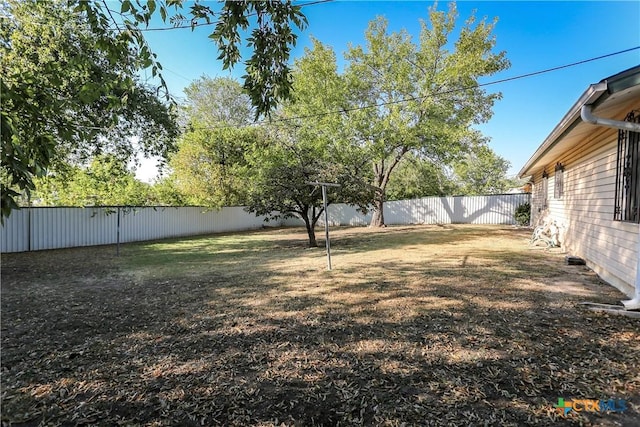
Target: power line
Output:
[(535, 73), (446, 92), (416, 98)]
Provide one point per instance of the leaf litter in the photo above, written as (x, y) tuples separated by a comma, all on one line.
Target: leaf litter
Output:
[(424, 325)]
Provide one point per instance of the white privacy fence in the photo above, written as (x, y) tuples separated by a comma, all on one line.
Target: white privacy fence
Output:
[(494, 209), (52, 228)]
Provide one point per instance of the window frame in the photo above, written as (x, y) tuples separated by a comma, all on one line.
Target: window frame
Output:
[(558, 185), (545, 189), (627, 184)]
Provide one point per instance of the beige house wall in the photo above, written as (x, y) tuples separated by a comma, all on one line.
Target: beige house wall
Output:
[(584, 213)]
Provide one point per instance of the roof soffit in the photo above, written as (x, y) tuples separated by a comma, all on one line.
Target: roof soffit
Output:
[(571, 129)]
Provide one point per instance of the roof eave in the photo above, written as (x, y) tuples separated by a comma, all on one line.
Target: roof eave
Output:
[(595, 95), (592, 95)]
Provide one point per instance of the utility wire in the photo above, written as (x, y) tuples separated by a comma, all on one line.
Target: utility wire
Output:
[(446, 92), (415, 98), (535, 73)]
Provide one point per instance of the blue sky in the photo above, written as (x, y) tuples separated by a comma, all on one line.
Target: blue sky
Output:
[(535, 35)]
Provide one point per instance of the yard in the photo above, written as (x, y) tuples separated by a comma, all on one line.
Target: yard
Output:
[(424, 325)]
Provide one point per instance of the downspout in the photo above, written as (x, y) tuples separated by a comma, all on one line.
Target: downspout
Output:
[(634, 304), (587, 116)]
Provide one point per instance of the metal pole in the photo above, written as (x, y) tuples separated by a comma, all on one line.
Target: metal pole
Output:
[(326, 226), (29, 235), (324, 186), (118, 235)]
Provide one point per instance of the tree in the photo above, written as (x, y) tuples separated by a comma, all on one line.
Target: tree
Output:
[(267, 79), (308, 148), (217, 102), (164, 191), (105, 182), (419, 98), (482, 171), (68, 94), (416, 177), (82, 63), (209, 166), (279, 176), (219, 162)]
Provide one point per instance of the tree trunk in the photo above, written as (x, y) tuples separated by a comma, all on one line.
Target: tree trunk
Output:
[(311, 231), (377, 218), (381, 179)]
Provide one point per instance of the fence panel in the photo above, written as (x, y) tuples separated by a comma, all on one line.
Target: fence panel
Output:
[(149, 223), (493, 209), (35, 229), (51, 228), (15, 232)]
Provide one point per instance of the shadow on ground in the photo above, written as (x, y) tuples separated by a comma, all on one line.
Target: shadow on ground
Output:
[(418, 326)]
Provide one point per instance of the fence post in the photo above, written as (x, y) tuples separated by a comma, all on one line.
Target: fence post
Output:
[(29, 246), (118, 234)]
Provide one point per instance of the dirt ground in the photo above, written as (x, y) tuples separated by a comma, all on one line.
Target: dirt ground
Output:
[(424, 325)]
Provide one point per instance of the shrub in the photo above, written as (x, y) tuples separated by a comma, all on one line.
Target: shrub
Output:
[(523, 214)]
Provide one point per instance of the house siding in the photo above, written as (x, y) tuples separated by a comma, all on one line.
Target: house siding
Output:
[(585, 212), (538, 207)]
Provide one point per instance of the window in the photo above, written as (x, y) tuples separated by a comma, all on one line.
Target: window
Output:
[(545, 189), (627, 195), (558, 188)]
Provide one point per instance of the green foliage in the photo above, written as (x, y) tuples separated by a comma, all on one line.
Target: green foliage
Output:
[(209, 166), (164, 192), (307, 148), (69, 77), (426, 94), (481, 171), (69, 92), (279, 174), (106, 181), (221, 163), (265, 27), (219, 101), (416, 177), (522, 214), (267, 79)]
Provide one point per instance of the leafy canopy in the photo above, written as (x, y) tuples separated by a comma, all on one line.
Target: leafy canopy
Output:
[(279, 176), (306, 148), (209, 165), (420, 97), (105, 182), (68, 94), (68, 76), (482, 171), (268, 26), (268, 168)]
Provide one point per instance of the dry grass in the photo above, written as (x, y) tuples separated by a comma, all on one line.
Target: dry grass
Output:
[(456, 325)]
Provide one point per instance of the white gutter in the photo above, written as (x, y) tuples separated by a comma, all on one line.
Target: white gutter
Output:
[(583, 108), (591, 95), (587, 116)]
